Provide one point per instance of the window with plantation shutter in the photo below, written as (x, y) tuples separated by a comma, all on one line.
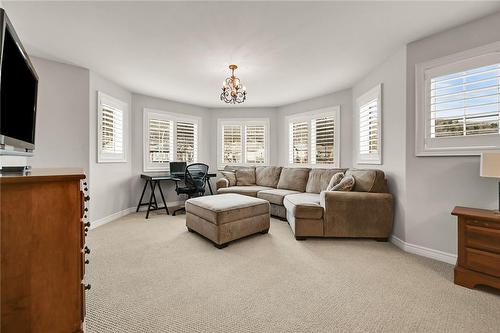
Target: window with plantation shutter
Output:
[(187, 141), (255, 139), (369, 116), (232, 144), (110, 136), (322, 140), (169, 137), (242, 142), (313, 138), (458, 103), (299, 136)]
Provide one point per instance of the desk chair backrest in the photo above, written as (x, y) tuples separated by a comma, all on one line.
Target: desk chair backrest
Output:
[(195, 176)]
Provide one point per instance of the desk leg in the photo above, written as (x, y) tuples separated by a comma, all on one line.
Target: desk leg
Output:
[(153, 186), (156, 182), (142, 196), (163, 198), (210, 186)]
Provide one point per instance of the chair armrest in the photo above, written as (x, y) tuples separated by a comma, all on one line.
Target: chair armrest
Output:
[(221, 183), (357, 214)]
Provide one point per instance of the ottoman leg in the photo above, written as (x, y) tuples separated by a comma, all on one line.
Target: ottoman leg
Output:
[(190, 230), (221, 246), (265, 231), (300, 238)]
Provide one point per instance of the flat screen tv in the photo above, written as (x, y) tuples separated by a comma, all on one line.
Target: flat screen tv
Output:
[(18, 92)]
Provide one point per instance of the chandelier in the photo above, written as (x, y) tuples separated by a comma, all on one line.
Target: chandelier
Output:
[(232, 90)]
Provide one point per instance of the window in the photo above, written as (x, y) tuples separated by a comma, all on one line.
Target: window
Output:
[(369, 116), (243, 142), (169, 137), (313, 138), (458, 103), (110, 129)]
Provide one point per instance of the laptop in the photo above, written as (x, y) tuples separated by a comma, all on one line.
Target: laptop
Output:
[(177, 168)]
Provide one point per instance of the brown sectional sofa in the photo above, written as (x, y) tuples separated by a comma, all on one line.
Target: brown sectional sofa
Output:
[(299, 195)]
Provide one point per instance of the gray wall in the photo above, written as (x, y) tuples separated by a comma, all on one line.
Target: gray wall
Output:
[(391, 74), (109, 182), (434, 185), (247, 113), (343, 99), (139, 102), (62, 127)]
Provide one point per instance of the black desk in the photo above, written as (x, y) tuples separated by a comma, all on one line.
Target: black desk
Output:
[(154, 179)]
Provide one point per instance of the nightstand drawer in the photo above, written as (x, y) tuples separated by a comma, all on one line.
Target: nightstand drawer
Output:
[(481, 261), (482, 238)]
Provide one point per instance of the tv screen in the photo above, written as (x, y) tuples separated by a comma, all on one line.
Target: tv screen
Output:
[(18, 92)]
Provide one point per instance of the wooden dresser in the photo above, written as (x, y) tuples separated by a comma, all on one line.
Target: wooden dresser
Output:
[(478, 247), (42, 258)]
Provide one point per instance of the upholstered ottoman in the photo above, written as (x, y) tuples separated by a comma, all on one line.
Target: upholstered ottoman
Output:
[(223, 218)]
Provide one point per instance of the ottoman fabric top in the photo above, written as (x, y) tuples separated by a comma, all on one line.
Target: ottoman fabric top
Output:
[(225, 208)]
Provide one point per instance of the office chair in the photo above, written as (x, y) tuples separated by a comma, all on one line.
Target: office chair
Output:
[(195, 180)]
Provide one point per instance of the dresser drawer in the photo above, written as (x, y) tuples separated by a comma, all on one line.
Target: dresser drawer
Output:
[(482, 238), (482, 261)]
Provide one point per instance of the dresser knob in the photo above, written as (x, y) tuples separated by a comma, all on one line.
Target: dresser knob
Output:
[(87, 286), (86, 229), (87, 261), (86, 209), (85, 183), (86, 198), (87, 224), (86, 250), (86, 189)]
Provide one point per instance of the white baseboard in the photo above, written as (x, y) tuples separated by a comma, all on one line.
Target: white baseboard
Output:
[(112, 217), (117, 215), (424, 251)]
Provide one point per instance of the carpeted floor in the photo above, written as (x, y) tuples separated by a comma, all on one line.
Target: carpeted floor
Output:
[(154, 276)]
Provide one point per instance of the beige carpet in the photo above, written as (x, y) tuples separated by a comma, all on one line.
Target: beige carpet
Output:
[(154, 276)]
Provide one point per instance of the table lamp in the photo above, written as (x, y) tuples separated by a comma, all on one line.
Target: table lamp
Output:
[(490, 167)]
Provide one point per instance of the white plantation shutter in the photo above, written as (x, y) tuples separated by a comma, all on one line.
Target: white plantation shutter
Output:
[(187, 141), (232, 139), (465, 103), (160, 141), (322, 140), (369, 116), (255, 142), (112, 130), (111, 133), (299, 138), (368, 128)]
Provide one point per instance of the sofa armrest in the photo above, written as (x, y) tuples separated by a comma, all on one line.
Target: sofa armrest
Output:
[(357, 214), (221, 183)]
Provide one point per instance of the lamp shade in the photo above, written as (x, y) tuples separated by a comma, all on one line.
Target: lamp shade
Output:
[(490, 164)]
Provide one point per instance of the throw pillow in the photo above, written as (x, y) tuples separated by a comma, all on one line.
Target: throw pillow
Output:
[(346, 184), (230, 176), (245, 177), (336, 178)]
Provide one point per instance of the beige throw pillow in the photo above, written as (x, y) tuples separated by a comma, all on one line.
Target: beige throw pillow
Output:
[(345, 185), (336, 178), (230, 176), (245, 177)]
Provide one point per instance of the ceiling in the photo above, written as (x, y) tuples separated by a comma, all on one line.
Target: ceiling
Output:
[(286, 51)]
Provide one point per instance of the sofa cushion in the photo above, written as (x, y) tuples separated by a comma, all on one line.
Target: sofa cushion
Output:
[(244, 190), (345, 185), (220, 209), (267, 175), (319, 179), (335, 181), (368, 180), (275, 196), (293, 179), (230, 176), (304, 205), (245, 176)]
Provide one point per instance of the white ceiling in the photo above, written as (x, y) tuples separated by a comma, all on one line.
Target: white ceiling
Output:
[(286, 51)]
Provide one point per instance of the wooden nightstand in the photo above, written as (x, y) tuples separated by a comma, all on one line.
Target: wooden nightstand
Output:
[(478, 247)]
